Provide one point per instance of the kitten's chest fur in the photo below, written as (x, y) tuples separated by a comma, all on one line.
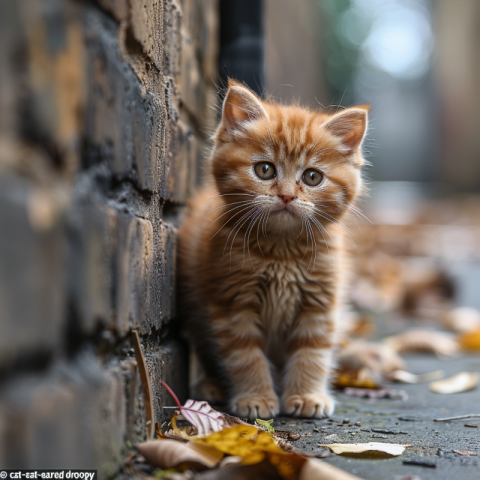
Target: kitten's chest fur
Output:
[(282, 287)]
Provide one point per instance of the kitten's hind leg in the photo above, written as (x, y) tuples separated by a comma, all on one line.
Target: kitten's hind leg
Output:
[(211, 390), (305, 391)]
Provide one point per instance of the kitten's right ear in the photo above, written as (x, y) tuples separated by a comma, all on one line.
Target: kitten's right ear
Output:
[(240, 107)]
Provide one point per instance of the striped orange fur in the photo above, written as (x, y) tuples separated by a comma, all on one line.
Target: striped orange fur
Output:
[(262, 262)]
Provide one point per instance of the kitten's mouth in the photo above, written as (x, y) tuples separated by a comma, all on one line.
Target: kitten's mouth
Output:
[(285, 208)]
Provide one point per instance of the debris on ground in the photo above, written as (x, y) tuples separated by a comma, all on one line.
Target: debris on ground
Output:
[(390, 449), (460, 382)]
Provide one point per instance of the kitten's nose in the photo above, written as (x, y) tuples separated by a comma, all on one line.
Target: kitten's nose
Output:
[(287, 198)]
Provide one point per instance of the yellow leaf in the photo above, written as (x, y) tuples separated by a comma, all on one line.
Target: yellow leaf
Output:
[(360, 379), (470, 340), (254, 445)]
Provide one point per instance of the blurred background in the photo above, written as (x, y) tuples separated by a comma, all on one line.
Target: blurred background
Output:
[(416, 63), (105, 113)]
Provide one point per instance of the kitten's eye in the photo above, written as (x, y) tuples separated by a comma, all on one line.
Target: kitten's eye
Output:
[(265, 170), (312, 177)]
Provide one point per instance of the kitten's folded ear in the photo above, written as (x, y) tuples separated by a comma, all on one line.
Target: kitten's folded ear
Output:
[(240, 107), (350, 126)]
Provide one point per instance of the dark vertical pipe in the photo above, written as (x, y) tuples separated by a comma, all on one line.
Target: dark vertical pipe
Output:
[(241, 42)]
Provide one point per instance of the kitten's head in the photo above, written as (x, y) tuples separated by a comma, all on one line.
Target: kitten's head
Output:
[(288, 161)]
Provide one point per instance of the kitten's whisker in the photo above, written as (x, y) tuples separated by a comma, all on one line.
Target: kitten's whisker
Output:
[(244, 202), (327, 216), (314, 247), (359, 212), (250, 214), (234, 215), (258, 228), (320, 227), (232, 229), (249, 231)]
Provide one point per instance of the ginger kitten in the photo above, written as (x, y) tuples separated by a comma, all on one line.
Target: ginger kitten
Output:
[(262, 256)]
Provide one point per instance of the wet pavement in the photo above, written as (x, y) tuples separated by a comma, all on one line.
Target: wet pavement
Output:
[(408, 422)]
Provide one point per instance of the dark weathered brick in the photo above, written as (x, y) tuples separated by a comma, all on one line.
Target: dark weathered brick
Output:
[(124, 123), (200, 20), (93, 229), (181, 162), (71, 417), (31, 269), (169, 363), (134, 262), (146, 18)]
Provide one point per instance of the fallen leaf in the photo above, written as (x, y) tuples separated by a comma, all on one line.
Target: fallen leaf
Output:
[(460, 382), (470, 340), (465, 453), (359, 379), (407, 377), (376, 357), (254, 446), (417, 340), (372, 447), (173, 454), (200, 415), (462, 319)]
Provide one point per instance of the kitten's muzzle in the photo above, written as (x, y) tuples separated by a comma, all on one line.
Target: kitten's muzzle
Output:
[(287, 198)]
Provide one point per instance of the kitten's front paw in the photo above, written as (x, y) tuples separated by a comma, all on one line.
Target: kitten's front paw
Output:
[(254, 406), (309, 405)]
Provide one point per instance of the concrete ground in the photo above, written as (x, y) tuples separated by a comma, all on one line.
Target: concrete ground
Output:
[(408, 422)]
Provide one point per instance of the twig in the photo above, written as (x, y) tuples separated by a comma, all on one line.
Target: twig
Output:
[(145, 381), (460, 417)]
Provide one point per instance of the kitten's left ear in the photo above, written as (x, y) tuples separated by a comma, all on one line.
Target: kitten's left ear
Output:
[(240, 107), (350, 126)]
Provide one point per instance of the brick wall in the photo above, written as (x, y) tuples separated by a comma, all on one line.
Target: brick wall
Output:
[(105, 108)]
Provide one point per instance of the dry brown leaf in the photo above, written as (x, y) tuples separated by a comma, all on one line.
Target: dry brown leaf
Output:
[(316, 469), (407, 377), (460, 382), (465, 453), (417, 340), (173, 454), (462, 319), (470, 340), (376, 357), (392, 449)]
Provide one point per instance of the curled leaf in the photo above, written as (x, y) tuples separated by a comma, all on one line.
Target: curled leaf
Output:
[(470, 340), (461, 382), (417, 340), (173, 454), (202, 416), (462, 319), (363, 378), (407, 377), (372, 447)]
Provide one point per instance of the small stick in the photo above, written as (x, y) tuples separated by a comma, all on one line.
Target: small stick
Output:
[(460, 417)]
